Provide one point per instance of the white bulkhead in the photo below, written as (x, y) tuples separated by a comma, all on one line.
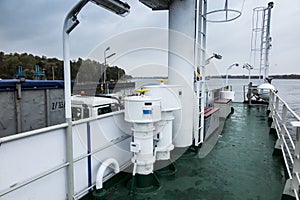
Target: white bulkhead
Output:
[(170, 101), (182, 21)]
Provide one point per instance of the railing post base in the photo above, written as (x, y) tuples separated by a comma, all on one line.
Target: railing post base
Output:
[(287, 197), (278, 144), (277, 152), (289, 189), (273, 132)]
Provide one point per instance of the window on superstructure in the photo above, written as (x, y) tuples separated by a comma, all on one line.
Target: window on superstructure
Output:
[(76, 113)]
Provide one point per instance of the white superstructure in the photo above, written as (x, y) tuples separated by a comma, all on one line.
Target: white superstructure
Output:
[(74, 157), (87, 106)]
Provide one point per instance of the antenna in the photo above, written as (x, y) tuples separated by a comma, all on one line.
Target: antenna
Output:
[(224, 14)]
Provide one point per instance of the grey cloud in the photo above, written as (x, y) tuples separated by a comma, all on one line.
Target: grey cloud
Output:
[(35, 26)]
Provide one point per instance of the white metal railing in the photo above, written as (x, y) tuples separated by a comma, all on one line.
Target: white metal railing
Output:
[(283, 117), (59, 132)]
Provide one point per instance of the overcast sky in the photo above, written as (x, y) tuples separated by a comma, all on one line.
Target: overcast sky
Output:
[(35, 26)]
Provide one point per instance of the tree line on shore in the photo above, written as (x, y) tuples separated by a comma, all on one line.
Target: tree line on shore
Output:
[(52, 68), (81, 70)]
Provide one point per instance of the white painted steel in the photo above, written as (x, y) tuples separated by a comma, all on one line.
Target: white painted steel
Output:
[(31, 133), (181, 66), (200, 91), (225, 109), (67, 90), (30, 157), (67, 68), (137, 106), (70, 22), (170, 101), (260, 39), (142, 147), (170, 96), (264, 90), (279, 112), (100, 174), (103, 133), (83, 192), (21, 179), (197, 64), (211, 124), (164, 143), (142, 111), (92, 104), (227, 95)]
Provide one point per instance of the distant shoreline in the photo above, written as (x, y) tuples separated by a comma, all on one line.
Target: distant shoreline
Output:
[(291, 76)]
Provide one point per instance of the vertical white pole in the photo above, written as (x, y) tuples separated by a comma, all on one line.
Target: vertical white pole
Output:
[(69, 143), (67, 75), (197, 82), (181, 66), (67, 84), (249, 76), (226, 82), (268, 45)]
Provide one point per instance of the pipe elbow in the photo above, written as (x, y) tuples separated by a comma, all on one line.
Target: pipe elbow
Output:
[(100, 174)]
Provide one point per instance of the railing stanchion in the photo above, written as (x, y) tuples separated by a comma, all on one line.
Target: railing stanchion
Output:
[(289, 147)]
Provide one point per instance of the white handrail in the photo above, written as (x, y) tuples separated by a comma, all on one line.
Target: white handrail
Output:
[(285, 142), (32, 133), (287, 106), (62, 165)]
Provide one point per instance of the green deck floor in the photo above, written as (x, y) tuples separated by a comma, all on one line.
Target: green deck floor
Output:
[(241, 166)]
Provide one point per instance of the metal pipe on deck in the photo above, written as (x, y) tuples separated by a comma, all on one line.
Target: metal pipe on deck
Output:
[(102, 168)]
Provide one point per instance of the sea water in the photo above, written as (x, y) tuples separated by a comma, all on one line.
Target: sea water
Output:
[(288, 89)]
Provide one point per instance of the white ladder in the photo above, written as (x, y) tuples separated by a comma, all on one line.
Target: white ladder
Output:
[(261, 40), (200, 56), (265, 40)]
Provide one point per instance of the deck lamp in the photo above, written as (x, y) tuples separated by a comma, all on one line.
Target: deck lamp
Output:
[(105, 62), (249, 68), (70, 23), (116, 6), (228, 68), (216, 56), (109, 56)]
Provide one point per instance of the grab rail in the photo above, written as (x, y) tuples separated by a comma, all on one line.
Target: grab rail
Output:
[(283, 116), (65, 164)]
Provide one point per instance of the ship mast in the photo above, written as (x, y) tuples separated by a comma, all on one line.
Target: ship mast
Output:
[(266, 41), (261, 39)]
